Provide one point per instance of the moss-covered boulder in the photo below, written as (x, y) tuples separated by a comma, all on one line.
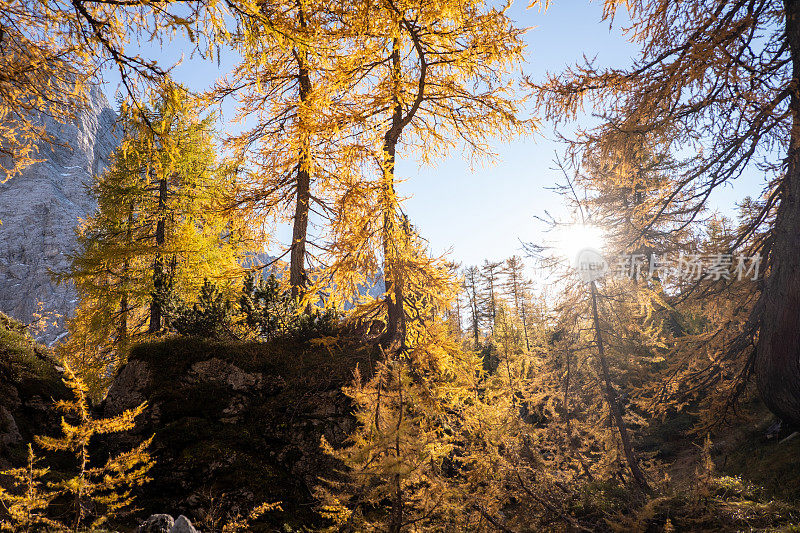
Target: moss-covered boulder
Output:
[(30, 382), (236, 424)]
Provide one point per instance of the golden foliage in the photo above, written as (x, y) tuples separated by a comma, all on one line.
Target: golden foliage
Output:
[(97, 492), (103, 491), (27, 500), (239, 523), (160, 230), (51, 54)]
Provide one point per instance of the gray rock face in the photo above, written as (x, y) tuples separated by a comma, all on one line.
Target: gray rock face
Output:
[(41, 208), (164, 523), (183, 525), (157, 523), (221, 372), (29, 384), (128, 387)]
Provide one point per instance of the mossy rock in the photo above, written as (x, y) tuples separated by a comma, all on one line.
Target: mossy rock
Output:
[(30, 383), (237, 424)]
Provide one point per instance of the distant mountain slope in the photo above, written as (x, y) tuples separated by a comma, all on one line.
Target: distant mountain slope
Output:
[(41, 208), (375, 288)]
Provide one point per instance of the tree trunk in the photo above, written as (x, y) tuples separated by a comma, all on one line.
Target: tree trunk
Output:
[(613, 404), (525, 327), (297, 273), (472, 297), (519, 302), (777, 363), (458, 315), (392, 270), (475, 332), (122, 333), (159, 276)]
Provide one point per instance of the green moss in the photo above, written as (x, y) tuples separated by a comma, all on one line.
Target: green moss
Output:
[(22, 356), (291, 367), (773, 466), (30, 366), (28, 373)]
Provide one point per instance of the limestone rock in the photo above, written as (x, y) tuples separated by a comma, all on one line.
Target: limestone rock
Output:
[(9, 432), (41, 208), (128, 388), (164, 523), (157, 523), (29, 384), (183, 525)]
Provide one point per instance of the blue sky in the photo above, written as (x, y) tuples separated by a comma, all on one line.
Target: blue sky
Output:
[(483, 213)]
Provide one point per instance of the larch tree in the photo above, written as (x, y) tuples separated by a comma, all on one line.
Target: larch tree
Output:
[(490, 272), (517, 287), (103, 490), (719, 79), (397, 450), (294, 74), (159, 229), (700, 313), (453, 314), (471, 288), (604, 347), (424, 60), (623, 195)]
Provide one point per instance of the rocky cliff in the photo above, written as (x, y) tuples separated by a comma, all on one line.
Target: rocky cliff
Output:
[(41, 208), (237, 424)]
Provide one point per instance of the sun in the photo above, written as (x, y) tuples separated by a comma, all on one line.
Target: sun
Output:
[(571, 239)]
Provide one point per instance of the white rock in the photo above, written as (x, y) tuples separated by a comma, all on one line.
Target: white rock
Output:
[(183, 525)]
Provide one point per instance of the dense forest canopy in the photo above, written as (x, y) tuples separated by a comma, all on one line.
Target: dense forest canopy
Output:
[(488, 399)]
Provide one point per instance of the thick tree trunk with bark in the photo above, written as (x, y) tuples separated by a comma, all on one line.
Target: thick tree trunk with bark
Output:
[(297, 272), (395, 323), (777, 364), (124, 311), (122, 330), (392, 271)]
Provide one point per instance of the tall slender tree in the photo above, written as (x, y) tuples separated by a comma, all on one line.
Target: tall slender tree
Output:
[(292, 79), (490, 271), (471, 287), (425, 60), (718, 79), (517, 286)]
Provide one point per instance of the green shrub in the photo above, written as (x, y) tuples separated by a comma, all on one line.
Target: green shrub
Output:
[(272, 313), (264, 310), (212, 316)]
